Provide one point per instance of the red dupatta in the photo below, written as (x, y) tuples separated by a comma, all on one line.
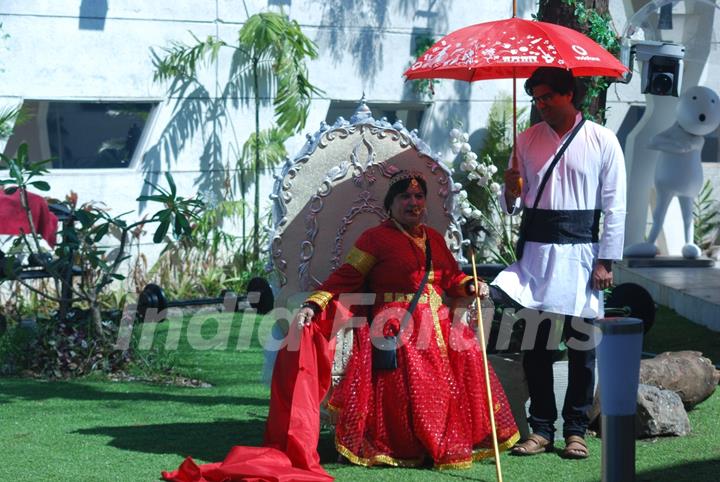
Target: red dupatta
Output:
[(301, 378)]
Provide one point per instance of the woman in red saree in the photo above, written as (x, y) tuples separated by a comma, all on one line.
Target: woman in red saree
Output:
[(432, 408)]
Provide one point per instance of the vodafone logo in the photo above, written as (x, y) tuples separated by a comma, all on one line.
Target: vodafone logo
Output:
[(582, 54)]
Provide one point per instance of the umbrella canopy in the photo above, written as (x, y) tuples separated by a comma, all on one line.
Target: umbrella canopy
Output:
[(513, 48)]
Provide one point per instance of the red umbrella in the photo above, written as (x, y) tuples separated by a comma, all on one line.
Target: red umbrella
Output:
[(512, 48)]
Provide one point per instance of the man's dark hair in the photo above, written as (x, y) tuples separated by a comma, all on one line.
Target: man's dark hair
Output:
[(559, 80), (401, 186)]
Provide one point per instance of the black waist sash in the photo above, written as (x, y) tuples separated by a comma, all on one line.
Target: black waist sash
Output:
[(561, 226)]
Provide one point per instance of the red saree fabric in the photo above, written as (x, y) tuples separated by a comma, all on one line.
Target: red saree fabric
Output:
[(434, 406), (301, 378)]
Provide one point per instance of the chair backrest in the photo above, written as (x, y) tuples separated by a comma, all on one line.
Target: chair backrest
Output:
[(334, 189)]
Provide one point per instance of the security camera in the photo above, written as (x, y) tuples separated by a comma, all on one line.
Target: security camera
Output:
[(662, 66)]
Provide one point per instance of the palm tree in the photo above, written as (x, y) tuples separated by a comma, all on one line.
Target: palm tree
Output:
[(271, 49)]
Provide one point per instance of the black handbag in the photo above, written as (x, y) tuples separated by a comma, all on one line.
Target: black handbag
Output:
[(527, 218), (384, 348)]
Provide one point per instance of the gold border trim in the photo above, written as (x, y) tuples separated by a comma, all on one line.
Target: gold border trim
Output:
[(320, 298), (435, 304), (465, 464), (481, 454), (360, 260), (375, 460), (478, 454)]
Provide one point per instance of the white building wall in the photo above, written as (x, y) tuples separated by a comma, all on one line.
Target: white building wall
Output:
[(54, 53)]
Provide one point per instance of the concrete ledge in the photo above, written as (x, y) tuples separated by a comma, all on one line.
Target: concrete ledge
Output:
[(692, 292), (668, 262)]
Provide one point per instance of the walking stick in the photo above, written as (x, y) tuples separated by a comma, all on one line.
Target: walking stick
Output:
[(491, 405)]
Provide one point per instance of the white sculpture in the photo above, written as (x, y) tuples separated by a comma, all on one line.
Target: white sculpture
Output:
[(679, 169)]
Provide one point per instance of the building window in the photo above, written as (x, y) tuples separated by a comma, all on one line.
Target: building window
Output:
[(410, 113), (82, 135)]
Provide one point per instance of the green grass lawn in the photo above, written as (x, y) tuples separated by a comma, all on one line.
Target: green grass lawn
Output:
[(95, 430)]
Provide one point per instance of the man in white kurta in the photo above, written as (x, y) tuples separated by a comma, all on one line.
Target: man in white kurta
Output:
[(564, 277)]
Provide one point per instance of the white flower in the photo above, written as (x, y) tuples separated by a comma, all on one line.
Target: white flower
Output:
[(476, 214), (482, 170), (465, 204), (495, 188), (473, 165), (466, 212), (457, 187), (464, 137), (465, 166), (455, 133), (482, 181), (472, 175), (471, 156), (455, 147), (462, 195), (465, 147), (492, 169)]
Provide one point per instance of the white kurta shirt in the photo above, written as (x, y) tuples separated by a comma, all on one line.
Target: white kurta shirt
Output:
[(590, 175)]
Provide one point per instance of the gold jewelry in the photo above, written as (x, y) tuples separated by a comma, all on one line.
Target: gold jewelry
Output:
[(419, 241), (403, 175)]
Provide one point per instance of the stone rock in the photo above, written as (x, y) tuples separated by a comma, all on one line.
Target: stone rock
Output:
[(687, 373), (660, 412)]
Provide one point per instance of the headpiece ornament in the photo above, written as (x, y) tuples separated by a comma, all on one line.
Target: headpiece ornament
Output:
[(403, 175)]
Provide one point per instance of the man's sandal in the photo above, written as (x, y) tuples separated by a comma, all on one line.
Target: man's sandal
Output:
[(575, 448), (535, 444)]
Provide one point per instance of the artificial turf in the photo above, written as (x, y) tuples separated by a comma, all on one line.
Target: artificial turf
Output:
[(97, 430)]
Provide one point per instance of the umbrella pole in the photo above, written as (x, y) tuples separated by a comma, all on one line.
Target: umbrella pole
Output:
[(515, 190), (514, 158), (514, 124), (491, 405)]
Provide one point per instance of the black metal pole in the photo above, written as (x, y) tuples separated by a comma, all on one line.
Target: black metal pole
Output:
[(618, 355)]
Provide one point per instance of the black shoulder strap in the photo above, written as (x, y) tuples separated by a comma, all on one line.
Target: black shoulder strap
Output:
[(555, 161), (416, 297)]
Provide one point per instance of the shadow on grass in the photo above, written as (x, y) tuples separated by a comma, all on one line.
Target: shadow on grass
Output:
[(691, 471), (209, 441), (80, 391)]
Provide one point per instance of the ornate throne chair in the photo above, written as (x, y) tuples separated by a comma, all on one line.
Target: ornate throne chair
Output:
[(333, 190)]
